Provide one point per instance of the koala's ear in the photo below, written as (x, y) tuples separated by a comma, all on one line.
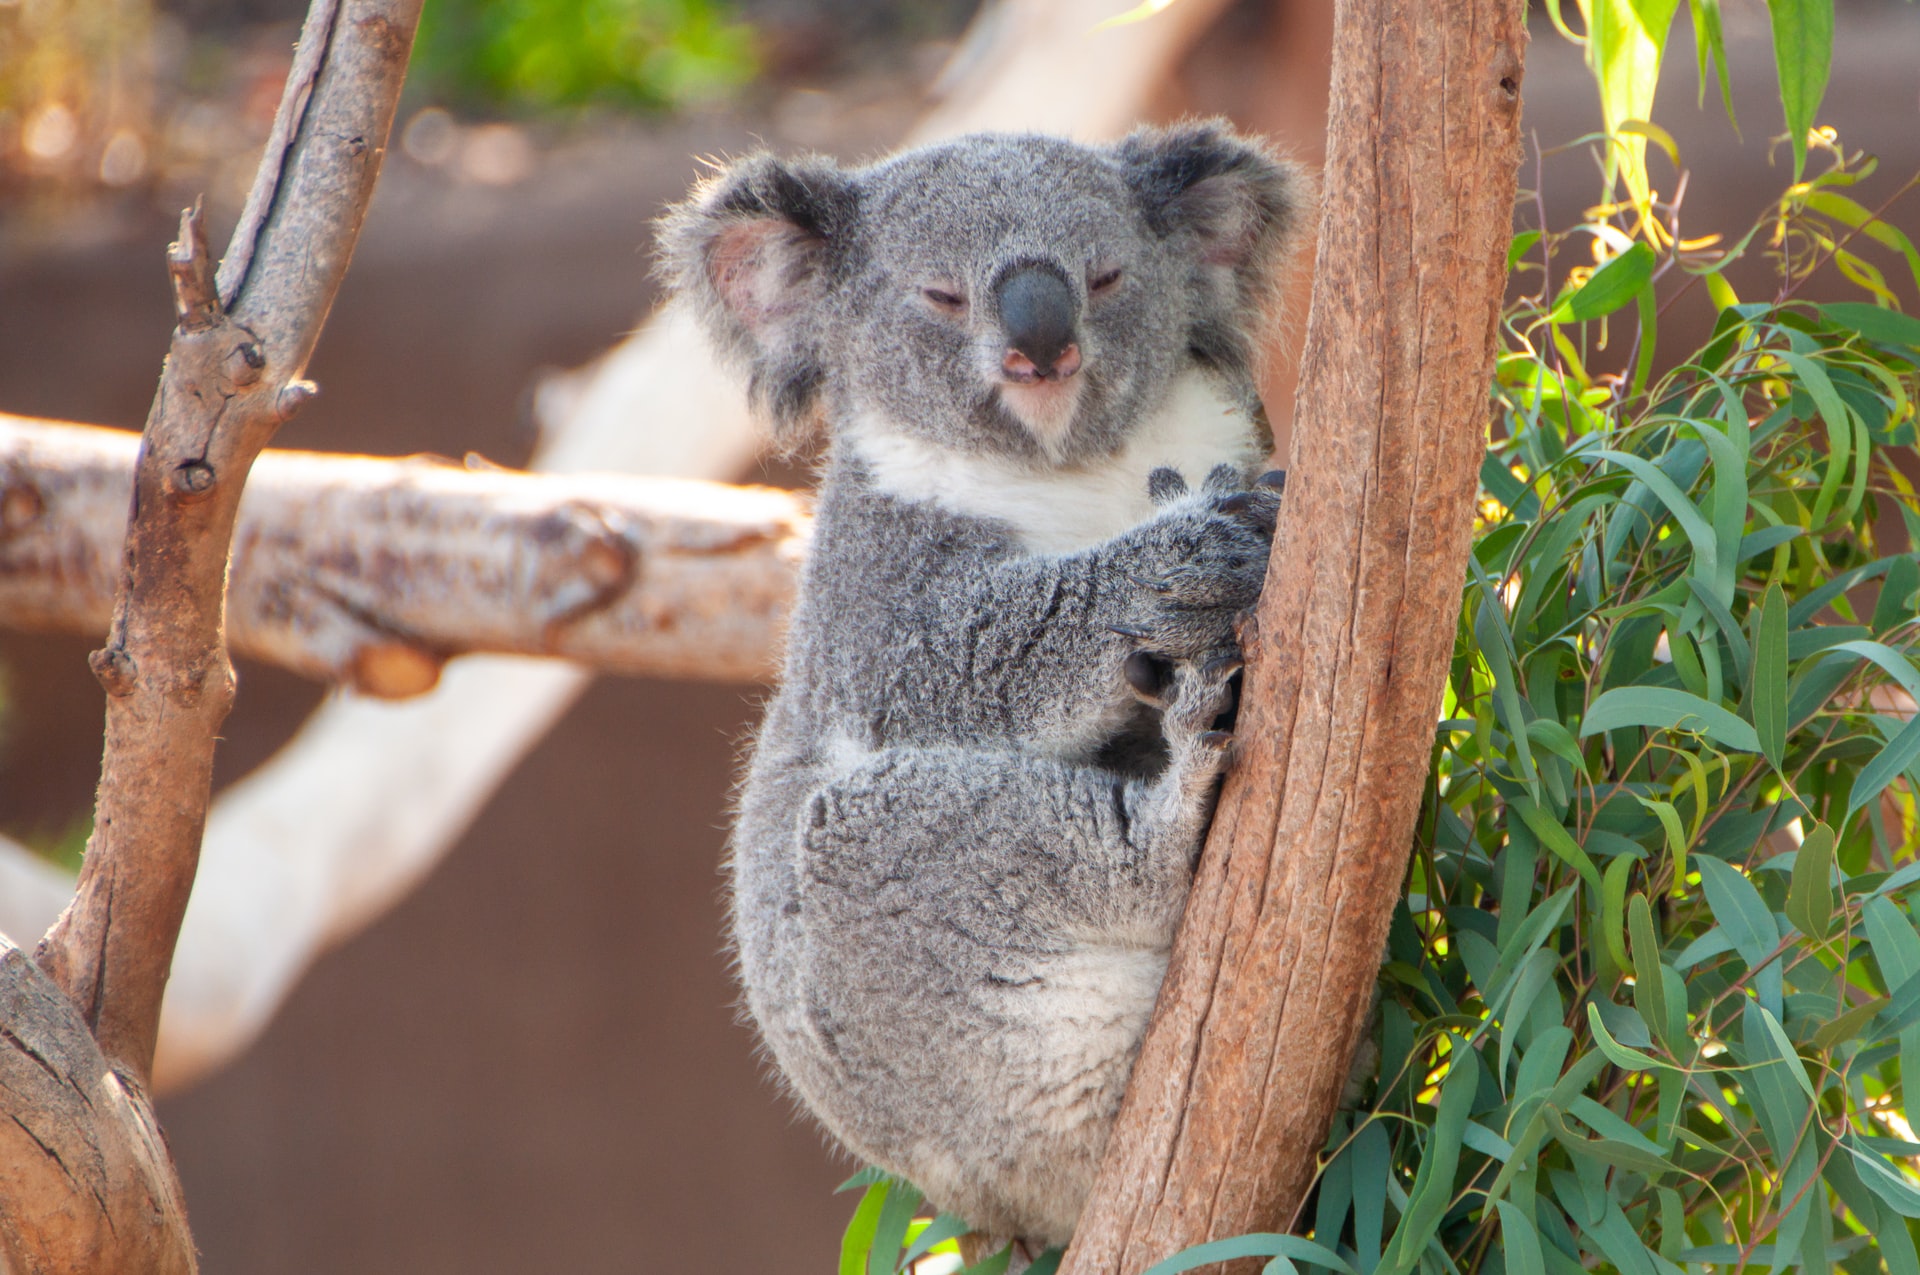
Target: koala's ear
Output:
[(1235, 211), (755, 250)]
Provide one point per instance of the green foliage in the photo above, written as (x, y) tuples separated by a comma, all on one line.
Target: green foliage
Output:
[(884, 1236), (546, 54), (1625, 41), (1650, 998)]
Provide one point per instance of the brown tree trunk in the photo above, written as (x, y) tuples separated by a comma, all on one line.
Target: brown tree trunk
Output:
[(1271, 977)]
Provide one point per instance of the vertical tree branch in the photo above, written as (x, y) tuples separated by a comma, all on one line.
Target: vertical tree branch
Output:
[(85, 1180), (232, 376), (1270, 979)]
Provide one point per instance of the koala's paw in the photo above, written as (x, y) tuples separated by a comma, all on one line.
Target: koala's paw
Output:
[(1200, 697), (1190, 571)]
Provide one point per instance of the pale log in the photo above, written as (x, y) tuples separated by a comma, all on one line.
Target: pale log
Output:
[(371, 572), (1272, 973)]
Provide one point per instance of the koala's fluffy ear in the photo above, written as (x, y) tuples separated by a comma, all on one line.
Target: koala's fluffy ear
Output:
[(755, 250), (1236, 211)]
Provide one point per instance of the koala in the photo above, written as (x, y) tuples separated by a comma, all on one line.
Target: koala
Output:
[(969, 824)]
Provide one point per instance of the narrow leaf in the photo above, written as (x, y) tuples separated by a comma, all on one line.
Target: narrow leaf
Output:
[(1259, 1244), (1433, 1187), (1887, 765), (890, 1229), (1649, 988), (1893, 1187), (1767, 700), (1664, 708), (857, 1242), (1611, 287), (1521, 1240), (1559, 840), (1810, 898), (943, 1228), (1802, 54), (1848, 1025), (1618, 1054), (1740, 910)]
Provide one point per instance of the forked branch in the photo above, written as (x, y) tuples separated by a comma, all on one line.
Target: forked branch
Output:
[(85, 1182)]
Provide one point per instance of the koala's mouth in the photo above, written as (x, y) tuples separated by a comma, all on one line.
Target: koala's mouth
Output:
[(1045, 408)]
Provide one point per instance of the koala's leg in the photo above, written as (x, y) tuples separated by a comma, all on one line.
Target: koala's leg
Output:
[(976, 943)]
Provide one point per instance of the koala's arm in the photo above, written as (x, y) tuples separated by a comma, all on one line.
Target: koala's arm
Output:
[(1035, 648)]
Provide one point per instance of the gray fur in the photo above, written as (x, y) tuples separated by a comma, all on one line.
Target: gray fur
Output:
[(969, 825)]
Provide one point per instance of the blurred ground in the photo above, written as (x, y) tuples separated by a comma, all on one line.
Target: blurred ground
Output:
[(533, 1064)]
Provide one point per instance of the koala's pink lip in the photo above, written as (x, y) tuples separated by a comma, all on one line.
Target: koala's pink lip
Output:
[(1021, 370)]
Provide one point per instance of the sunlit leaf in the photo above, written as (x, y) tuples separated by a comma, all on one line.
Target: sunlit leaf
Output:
[(1625, 40), (1802, 54), (1611, 287)]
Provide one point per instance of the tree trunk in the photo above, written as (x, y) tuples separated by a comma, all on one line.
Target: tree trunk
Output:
[(1271, 977)]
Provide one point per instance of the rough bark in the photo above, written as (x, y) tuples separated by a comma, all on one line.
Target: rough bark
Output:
[(89, 1186), (85, 1181), (372, 572), (1270, 979)]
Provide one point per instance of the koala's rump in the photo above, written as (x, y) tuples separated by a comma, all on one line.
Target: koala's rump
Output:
[(975, 1041)]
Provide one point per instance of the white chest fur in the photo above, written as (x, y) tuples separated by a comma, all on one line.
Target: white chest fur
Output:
[(1067, 508)]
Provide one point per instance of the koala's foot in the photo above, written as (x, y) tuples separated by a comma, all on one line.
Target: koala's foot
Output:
[(1197, 750), (1195, 567)]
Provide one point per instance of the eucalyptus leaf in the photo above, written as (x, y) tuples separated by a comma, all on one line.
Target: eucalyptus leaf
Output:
[(1656, 708), (1802, 53), (1810, 898), (1767, 699), (1611, 287)]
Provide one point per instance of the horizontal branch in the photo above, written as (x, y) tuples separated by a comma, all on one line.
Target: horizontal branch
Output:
[(373, 572)]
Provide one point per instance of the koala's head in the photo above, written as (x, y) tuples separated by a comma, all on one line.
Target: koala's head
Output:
[(1013, 294)]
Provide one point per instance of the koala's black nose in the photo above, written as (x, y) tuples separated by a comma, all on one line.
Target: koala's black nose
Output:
[(1037, 313)]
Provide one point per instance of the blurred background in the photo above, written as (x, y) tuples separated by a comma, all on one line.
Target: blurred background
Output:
[(534, 1061)]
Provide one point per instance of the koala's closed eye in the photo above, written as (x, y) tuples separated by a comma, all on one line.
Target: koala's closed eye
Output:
[(1104, 281), (944, 299)]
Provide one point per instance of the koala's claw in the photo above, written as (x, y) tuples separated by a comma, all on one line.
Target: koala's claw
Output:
[(1152, 584), (1218, 740), (1274, 480), (1186, 573)]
